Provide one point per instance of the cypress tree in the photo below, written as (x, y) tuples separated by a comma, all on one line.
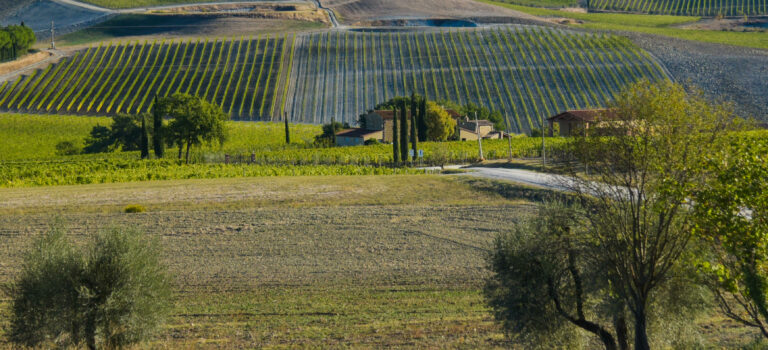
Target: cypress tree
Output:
[(403, 131), (414, 136), (157, 131), (287, 130), (144, 138), (395, 138), (422, 119)]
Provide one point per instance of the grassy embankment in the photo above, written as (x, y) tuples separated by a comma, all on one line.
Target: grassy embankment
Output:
[(28, 156), (650, 24)]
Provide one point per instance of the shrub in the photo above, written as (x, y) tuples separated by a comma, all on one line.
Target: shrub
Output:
[(371, 142), (113, 294), (134, 208), (67, 148)]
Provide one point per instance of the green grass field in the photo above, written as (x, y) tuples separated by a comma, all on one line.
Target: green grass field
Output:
[(651, 24), (28, 154)]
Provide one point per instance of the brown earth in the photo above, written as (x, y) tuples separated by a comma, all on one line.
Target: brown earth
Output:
[(270, 11), (9, 67), (353, 11)]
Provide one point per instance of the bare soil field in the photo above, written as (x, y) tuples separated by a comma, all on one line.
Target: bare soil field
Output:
[(360, 12), (730, 73), (128, 27), (39, 14), (312, 262), (372, 261)]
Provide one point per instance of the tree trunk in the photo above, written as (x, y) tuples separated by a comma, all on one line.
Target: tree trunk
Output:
[(181, 149), (90, 331), (620, 325), (641, 332), (189, 143)]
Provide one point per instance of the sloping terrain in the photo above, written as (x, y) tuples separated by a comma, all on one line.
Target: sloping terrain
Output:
[(355, 11), (685, 7), (39, 14), (729, 73), (528, 73)]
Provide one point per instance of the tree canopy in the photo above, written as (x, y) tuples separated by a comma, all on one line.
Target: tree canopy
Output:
[(440, 124), (193, 121)]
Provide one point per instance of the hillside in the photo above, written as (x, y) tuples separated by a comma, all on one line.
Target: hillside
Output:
[(529, 73)]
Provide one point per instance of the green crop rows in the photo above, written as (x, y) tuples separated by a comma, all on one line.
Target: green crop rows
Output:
[(124, 78), (529, 73), (686, 7)]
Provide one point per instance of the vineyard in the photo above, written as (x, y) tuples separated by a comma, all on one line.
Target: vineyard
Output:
[(528, 73), (243, 76), (686, 7)]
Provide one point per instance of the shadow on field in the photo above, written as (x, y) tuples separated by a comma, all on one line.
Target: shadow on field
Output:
[(514, 191)]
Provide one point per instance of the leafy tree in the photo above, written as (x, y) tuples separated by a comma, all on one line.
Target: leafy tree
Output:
[(328, 137), (194, 121), (124, 133), (732, 216), (639, 184), (6, 46), (99, 140), (157, 129), (113, 295), (67, 148), (547, 287), (21, 39), (440, 125), (543, 280)]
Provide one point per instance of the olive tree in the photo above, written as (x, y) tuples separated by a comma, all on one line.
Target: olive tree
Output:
[(114, 293), (635, 184), (543, 282)]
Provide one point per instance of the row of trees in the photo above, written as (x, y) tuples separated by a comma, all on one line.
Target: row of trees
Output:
[(192, 122), (15, 41), (672, 211)]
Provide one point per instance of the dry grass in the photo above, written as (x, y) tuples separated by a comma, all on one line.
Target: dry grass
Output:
[(319, 261), (311, 262)]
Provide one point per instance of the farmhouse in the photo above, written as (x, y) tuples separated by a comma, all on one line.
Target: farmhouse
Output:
[(356, 136), (576, 122)]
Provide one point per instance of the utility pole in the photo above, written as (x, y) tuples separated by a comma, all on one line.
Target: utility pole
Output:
[(53, 42), (479, 138)]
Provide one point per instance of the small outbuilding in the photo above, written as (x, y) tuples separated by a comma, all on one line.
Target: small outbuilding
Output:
[(578, 122), (356, 136)]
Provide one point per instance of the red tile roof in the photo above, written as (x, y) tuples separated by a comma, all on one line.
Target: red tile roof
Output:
[(356, 132), (589, 115)]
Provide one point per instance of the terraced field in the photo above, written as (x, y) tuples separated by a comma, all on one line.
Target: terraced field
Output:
[(244, 76), (527, 72), (686, 7)]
